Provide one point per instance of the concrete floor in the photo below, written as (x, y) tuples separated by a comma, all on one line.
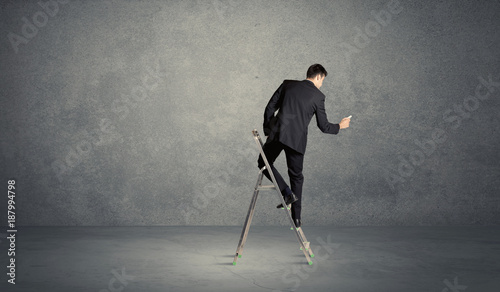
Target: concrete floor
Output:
[(200, 259)]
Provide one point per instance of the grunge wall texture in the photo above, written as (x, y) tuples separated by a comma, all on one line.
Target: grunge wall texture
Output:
[(125, 113)]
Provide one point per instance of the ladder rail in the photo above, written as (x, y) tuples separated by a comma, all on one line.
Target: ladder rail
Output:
[(248, 220), (258, 140)]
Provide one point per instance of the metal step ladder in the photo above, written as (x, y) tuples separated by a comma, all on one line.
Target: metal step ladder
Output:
[(304, 244)]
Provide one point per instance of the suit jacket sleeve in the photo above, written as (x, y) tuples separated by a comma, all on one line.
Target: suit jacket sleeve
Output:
[(322, 121), (272, 106)]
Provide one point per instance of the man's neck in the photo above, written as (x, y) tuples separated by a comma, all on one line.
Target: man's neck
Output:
[(312, 80)]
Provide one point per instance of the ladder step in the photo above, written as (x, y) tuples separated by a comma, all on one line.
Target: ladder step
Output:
[(269, 187)]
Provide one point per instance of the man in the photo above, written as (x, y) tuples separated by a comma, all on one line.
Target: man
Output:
[(297, 102)]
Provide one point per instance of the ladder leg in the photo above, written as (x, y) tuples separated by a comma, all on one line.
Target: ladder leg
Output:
[(303, 244), (258, 140), (306, 243), (248, 220)]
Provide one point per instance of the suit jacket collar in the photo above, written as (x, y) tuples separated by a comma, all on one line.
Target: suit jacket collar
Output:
[(309, 82)]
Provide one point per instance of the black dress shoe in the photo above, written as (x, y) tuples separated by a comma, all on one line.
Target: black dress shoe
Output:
[(297, 222), (288, 200)]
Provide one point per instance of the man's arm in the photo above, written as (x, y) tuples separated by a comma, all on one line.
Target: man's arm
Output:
[(272, 106), (322, 121)]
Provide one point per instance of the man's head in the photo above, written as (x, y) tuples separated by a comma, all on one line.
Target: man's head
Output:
[(316, 73)]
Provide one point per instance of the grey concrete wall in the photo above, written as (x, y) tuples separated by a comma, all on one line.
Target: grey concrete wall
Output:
[(140, 112)]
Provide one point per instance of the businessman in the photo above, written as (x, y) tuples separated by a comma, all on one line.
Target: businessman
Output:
[(296, 103)]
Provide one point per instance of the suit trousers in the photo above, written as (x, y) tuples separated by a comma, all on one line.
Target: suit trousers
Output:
[(295, 162)]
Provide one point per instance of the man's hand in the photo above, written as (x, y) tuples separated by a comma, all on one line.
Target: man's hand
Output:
[(345, 122)]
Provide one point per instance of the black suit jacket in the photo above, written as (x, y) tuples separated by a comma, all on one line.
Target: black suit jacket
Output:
[(297, 102)]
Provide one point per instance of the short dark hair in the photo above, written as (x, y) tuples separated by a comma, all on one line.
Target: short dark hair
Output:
[(315, 70)]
